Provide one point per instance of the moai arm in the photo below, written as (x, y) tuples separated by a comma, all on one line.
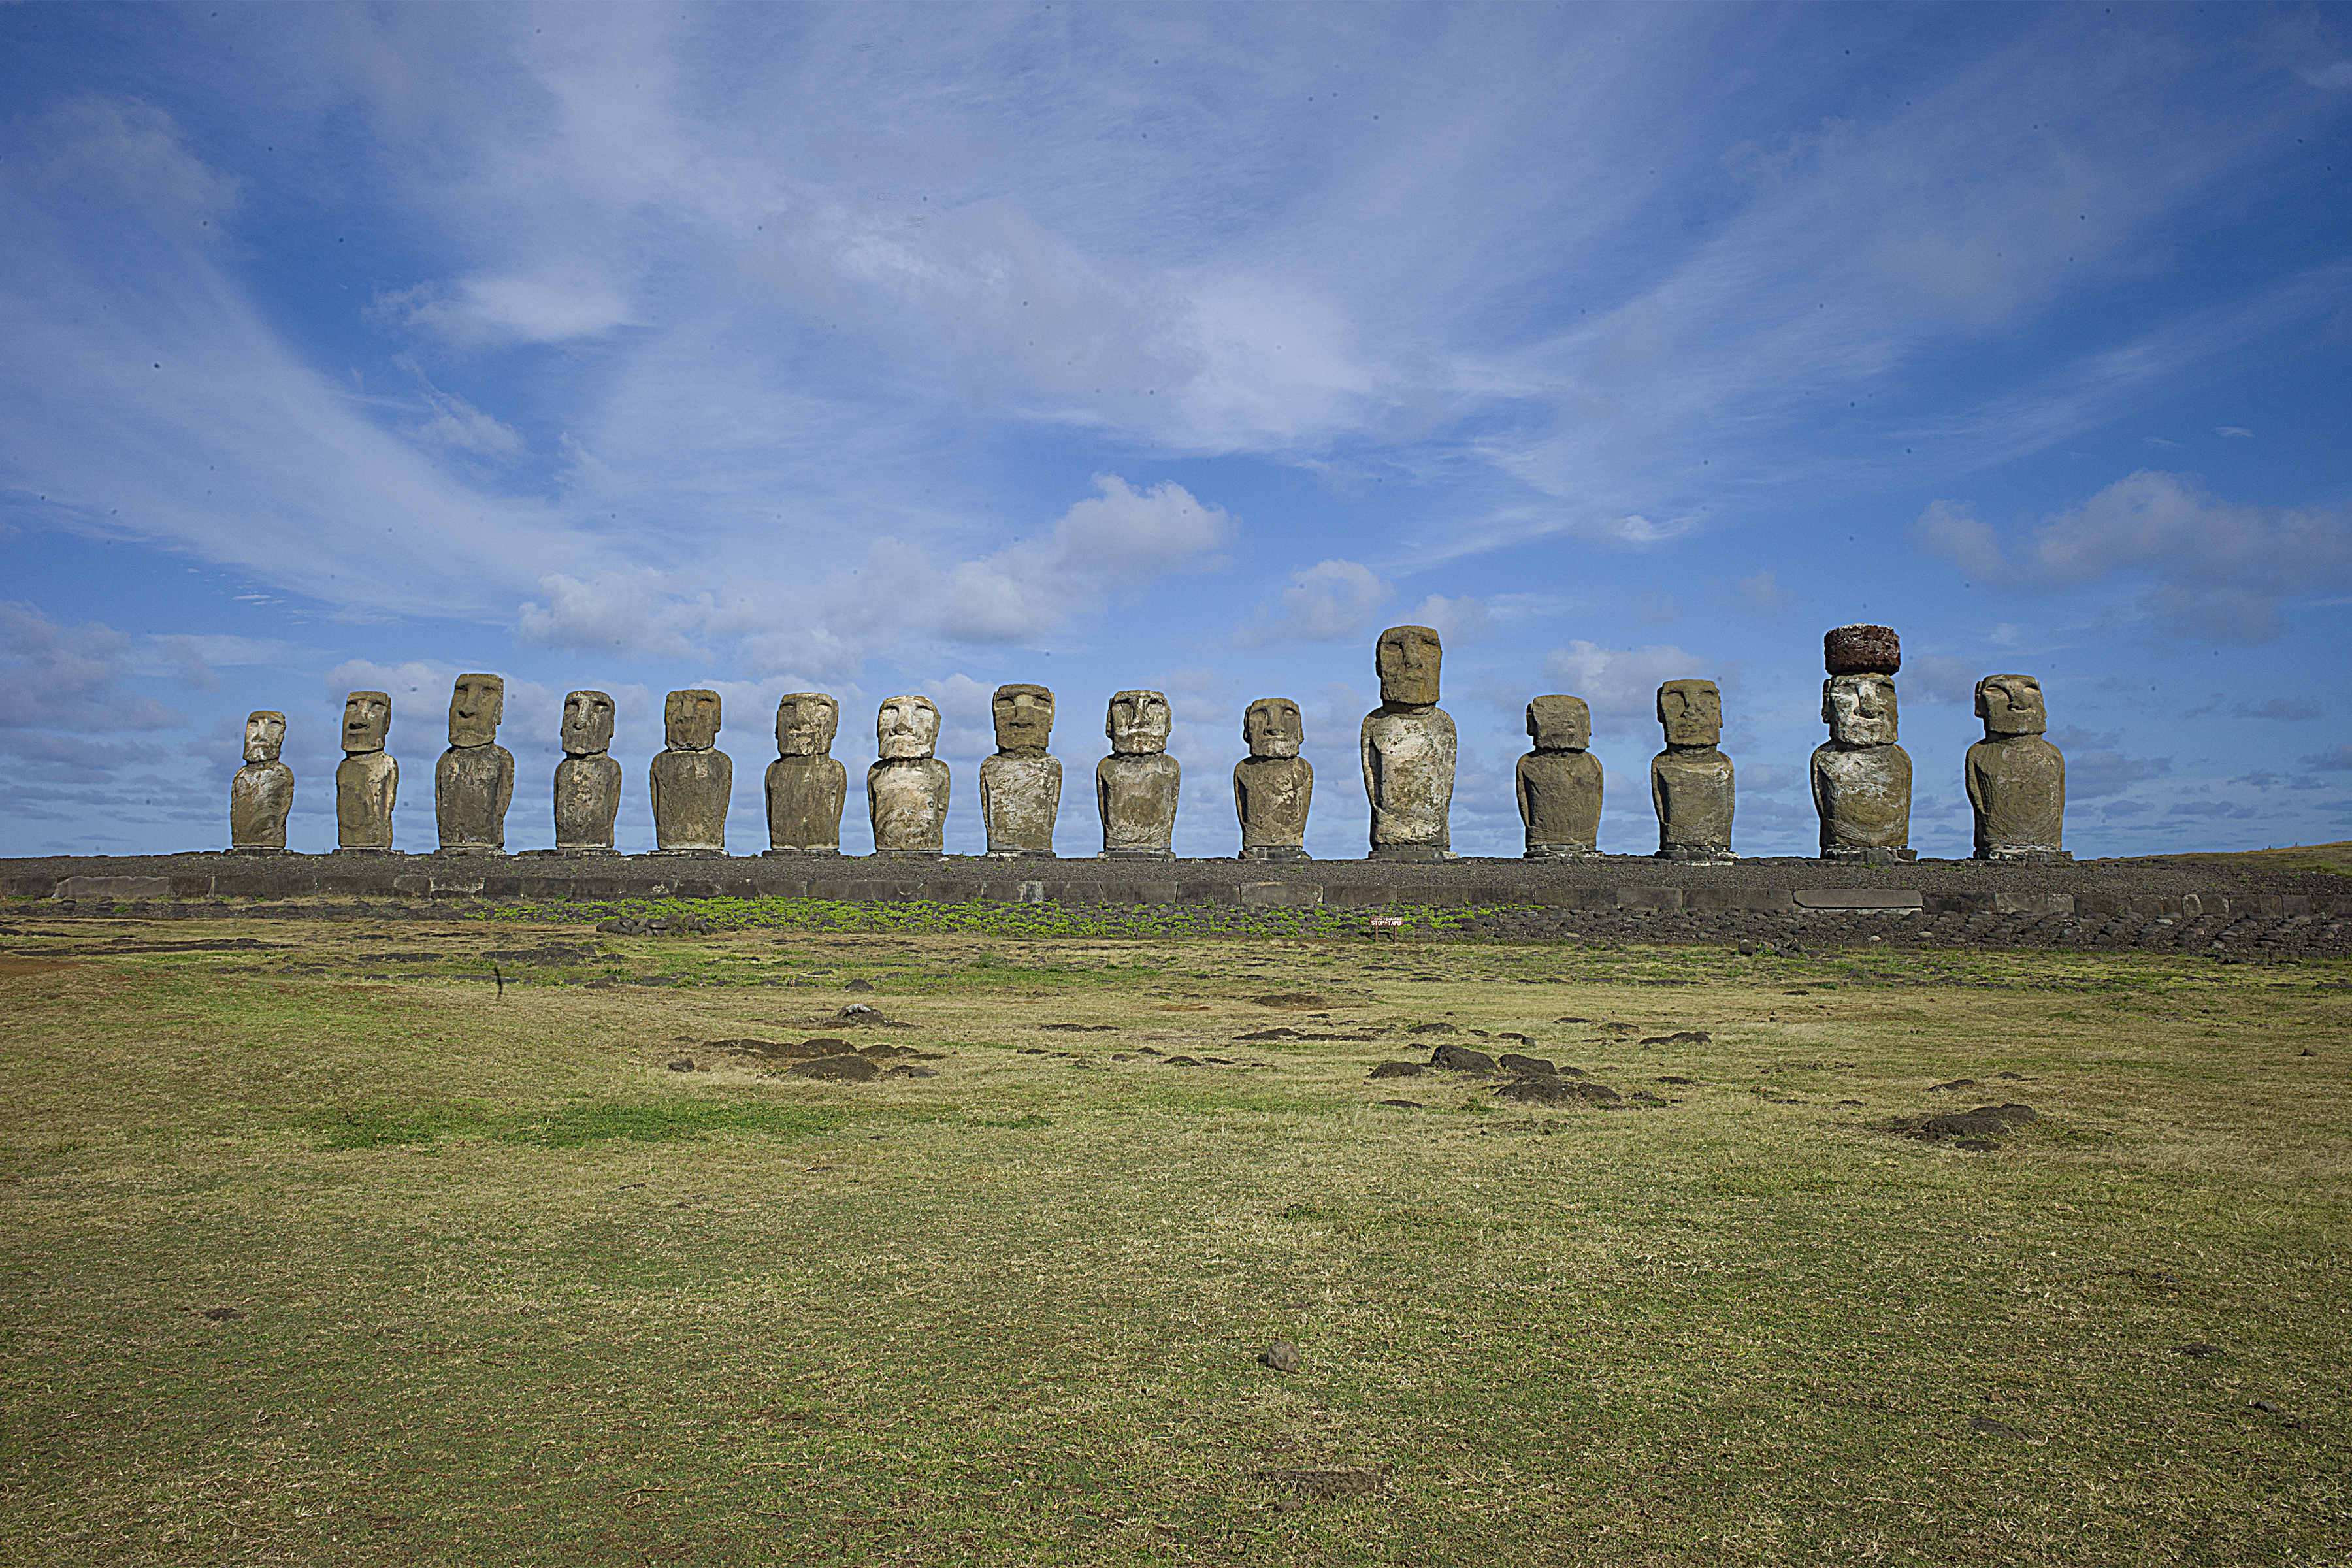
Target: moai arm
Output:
[(1972, 778), (1519, 787), (1372, 762)]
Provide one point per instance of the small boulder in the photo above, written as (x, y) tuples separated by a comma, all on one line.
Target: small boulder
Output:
[(1432, 1029), (1281, 1355), (1557, 1091), (1397, 1070), (837, 1069), (1460, 1058), (1527, 1065)]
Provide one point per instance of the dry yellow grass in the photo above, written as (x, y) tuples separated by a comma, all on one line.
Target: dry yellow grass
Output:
[(515, 1291)]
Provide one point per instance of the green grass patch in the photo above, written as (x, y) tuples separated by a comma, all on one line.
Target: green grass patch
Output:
[(572, 1125)]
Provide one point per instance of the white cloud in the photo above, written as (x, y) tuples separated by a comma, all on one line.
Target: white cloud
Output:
[(2334, 77), (625, 614), (480, 310), (1459, 619), (1620, 685), (1760, 594), (68, 679), (1327, 601), (2096, 766), (458, 426), (2219, 570), (1932, 677), (2233, 432)]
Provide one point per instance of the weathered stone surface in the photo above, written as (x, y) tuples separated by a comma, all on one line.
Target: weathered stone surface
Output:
[(1559, 780), (1273, 786), (1138, 786), (692, 780), (906, 790), (1020, 786), (1862, 779), (367, 781), (587, 781), (2016, 779), (1692, 785), (262, 793), (1408, 749), (473, 783), (1861, 649), (807, 787)]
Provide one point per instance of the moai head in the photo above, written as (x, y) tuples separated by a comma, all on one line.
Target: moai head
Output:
[(1137, 723), (1692, 712), (587, 723), (1859, 710), (2010, 705), (907, 727), (265, 735), (367, 720), (690, 721), (1272, 727), (1408, 658), (1862, 650), (1024, 717), (476, 704), (1560, 723), (806, 723)]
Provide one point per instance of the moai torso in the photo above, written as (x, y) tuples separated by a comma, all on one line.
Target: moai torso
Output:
[(2016, 779), (1407, 746), (367, 781), (587, 781), (1692, 785), (1138, 786), (1861, 777), (1020, 786), (807, 788), (906, 790), (262, 793), (692, 780), (1274, 786), (1559, 780), (474, 781)]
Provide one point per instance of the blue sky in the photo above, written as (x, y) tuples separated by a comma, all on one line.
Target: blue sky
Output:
[(878, 348)]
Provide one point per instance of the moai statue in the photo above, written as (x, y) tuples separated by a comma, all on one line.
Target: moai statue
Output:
[(587, 781), (907, 791), (1020, 786), (1138, 785), (693, 780), (806, 786), (1560, 782), (2016, 779), (1274, 786), (474, 781), (1862, 779), (1408, 749), (263, 791), (367, 781), (1691, 782)]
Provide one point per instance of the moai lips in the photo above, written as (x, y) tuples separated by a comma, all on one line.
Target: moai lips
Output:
[(1274, 786), (807, 787), (1559, 783)]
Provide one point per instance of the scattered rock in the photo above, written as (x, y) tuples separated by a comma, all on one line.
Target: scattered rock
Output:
[(857, 986), (2262, 1404), (1082, 1028), (1523, 1040), (1145, 1052), (1569, 1018), (838, 1069), (1849, 1102), (1402, 1104), (1680, 1037), (1527, 1065), (905, 1070), (1281, 1355), (1680, 1080), (1956, 1083), (859, 1014), (683, 1064), (1460, 1058), (1397, 1070), (1986, 1423), (2012, 1076), (226, 1314), (2309, 1052), (1184, 1062), (2198, 1350), (885, 1053), (1979, 1126), (1268, 1034), (1326, 1485), (1432, 1029), (1550, 1091)]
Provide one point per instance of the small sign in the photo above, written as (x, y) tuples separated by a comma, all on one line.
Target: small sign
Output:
[(1388, 924)]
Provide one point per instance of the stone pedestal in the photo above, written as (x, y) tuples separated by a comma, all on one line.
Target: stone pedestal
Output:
[(587, 804), (472, 786), (907, 798), (367, 786)]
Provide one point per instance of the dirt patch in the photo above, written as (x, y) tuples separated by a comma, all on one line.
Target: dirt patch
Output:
[(1971, 1128)]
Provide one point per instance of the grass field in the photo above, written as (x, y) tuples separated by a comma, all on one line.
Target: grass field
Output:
[(303, 1266)]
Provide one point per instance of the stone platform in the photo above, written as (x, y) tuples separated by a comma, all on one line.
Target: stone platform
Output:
[(1631, 884)]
